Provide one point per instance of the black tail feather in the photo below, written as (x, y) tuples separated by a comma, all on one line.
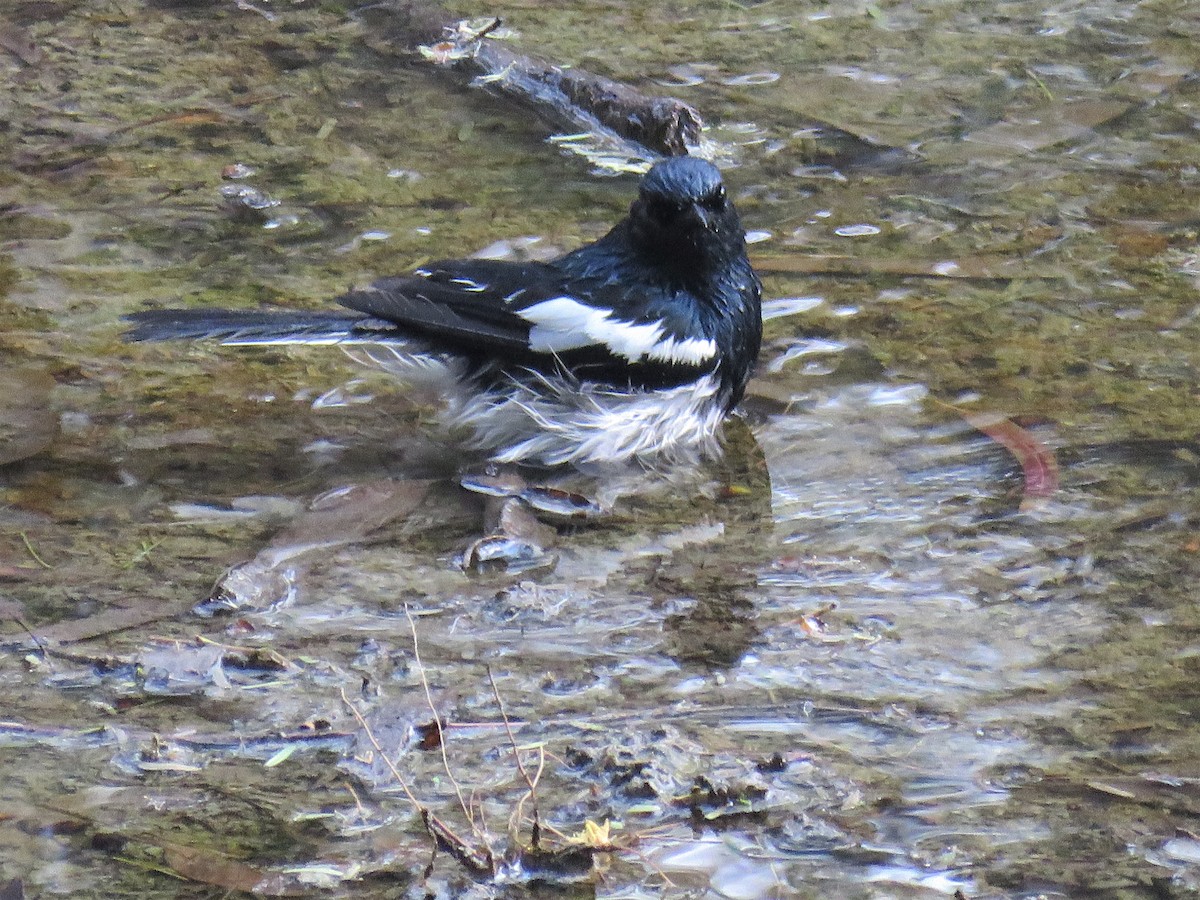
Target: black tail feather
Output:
[(242, 326)]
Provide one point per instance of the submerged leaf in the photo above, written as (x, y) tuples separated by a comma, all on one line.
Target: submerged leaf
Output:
[(19, 43), (209, 867), (1054, 123), (338, 517), (27, 424), (1037, 461)]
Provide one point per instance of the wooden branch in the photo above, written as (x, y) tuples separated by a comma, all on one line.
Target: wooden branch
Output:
[(567, 98), (581, 100)]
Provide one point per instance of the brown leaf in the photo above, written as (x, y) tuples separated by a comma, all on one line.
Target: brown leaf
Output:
[(430, 735)]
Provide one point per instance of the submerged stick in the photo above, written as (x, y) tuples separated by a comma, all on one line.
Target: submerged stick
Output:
[(582, 100), (569, 99)]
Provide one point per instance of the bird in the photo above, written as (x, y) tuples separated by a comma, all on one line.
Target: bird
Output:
[(632, 349)]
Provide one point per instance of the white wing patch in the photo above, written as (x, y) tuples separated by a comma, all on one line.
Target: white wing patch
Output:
[(688, 350), (563, 323)]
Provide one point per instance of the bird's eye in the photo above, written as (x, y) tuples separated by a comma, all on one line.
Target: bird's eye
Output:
[(716, 200)]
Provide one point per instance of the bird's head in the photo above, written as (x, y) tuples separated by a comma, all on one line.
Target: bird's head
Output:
[(682, 214)]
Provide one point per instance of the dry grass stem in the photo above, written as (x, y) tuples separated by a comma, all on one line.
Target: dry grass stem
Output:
[(437, 721), (443, 835), (531, 783)]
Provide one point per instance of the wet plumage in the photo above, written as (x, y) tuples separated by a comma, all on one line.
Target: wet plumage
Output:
[(634, 347)]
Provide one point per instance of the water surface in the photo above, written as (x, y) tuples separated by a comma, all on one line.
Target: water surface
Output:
[(874, 653)]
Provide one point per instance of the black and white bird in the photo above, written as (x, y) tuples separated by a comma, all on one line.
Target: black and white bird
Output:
[(633, 348)]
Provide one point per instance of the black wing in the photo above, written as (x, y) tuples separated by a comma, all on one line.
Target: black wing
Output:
[(534, 314), (467, 304)]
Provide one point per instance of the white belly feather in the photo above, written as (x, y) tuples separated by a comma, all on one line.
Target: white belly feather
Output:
[(552, 421), (555, 422)]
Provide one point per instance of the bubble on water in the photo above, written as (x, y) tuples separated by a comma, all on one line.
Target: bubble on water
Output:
[(779, 307), (860, 230), (686, 75), (898, 395), (752, 79)]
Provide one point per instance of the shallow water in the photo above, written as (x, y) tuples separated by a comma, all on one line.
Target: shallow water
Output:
[(873, 653)]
